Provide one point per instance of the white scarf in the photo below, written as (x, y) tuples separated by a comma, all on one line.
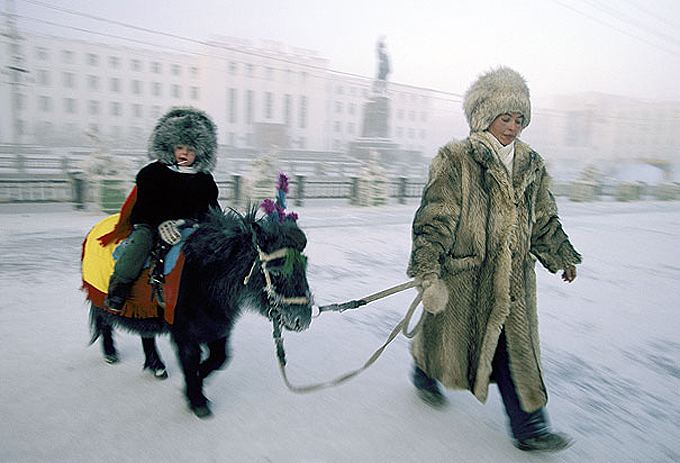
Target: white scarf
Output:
[(183, 169), (506, 154)]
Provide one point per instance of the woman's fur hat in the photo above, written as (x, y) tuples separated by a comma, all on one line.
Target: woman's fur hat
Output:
[(189, 127), (497, 92)]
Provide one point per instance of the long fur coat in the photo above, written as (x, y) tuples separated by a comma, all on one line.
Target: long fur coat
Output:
[(481, 232)]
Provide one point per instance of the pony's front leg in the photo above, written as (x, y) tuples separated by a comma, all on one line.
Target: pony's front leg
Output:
[(190, 358), (152, 359), (217, 357)]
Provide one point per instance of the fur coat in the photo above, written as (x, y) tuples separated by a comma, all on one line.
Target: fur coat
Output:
[(481, 232)]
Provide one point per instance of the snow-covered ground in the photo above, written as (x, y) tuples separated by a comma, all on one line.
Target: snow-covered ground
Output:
[(610, 341)]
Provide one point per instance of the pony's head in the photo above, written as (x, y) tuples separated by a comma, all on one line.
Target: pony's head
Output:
[(280, 243), (283, 272)]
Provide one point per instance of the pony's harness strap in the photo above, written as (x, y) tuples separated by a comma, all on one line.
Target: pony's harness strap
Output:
[(273, 296)]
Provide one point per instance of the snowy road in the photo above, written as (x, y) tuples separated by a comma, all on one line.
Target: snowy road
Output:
[(610, 348)]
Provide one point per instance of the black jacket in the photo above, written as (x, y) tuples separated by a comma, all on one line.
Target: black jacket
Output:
[(164, 194)]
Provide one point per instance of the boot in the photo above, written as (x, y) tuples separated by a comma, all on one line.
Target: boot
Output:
[(427, 388), (547, 442), (118, 293)]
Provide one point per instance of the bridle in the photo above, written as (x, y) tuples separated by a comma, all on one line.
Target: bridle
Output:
[(275, 300)]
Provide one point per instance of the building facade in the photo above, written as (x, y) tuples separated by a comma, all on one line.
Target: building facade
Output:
[(260, 95)]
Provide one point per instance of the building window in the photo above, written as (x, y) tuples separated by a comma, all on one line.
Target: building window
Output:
[(44, 104), (351, 107), (423, 116), (250, 105), (350, 127), (156, 89), (233, 68), (42, 54), (233, 106), (116, 132), (303, 76), (136, 87), (93, 107), (269, 73), (176, 70), (400, 114), (155, 67), (68, 79), (137, 110), (92, 82), (287, 109), (411, 133), (67, 56), (411, 115), (250, 70), (340, 90), (135, 65), (43, 77), (194, 72), (176, 91), (422, 134), (114, 84), (337, 126), (302, 113), (91, 59), (155, 111), (19, 101), (338, 107), (114, 108), (193, 92), (400, 131), (302, 143), (70, 105), (268, 105), (114, 62)]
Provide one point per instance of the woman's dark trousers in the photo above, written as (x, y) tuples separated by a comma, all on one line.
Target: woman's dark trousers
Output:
[(522, 424)]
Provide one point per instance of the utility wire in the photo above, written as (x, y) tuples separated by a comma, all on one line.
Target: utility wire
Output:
[(221, 46), (622, 17), (618, 29)]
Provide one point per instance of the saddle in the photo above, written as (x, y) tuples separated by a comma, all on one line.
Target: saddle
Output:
[(153, 294)]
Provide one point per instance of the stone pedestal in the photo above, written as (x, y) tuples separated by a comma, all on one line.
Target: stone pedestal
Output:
[(376, 118)]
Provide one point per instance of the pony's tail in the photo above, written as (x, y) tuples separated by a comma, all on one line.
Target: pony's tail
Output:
[(95, 325)]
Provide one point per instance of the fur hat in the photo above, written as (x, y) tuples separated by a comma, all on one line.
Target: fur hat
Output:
[(497, 92), (189, 127)]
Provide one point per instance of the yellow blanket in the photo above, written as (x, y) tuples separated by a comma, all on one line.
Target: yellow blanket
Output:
[(97, 265)]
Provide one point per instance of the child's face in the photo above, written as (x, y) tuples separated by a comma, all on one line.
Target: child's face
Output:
[(184, 155)]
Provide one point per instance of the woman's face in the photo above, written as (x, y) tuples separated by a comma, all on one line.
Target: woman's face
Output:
[(507, 127), (184, 155)]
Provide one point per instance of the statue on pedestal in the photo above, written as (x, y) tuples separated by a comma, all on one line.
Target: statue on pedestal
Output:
[(380, 85)]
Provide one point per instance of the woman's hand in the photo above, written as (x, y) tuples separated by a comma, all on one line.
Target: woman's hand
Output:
[(569, 273), (435, 294)]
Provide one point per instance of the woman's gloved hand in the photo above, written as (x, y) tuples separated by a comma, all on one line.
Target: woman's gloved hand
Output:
[(434, 291)]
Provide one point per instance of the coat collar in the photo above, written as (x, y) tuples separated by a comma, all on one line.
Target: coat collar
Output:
[(527, 164)]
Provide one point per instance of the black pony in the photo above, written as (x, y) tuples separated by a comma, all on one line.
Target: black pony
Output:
[(233, 261)]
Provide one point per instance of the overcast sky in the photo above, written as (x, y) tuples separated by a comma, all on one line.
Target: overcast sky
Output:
[(624, 47)]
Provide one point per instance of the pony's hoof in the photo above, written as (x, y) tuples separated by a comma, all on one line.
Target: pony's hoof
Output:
[(201, 411), (159, 373), (111, 358)]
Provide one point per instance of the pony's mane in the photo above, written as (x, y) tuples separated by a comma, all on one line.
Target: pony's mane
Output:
[(221, 235)]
